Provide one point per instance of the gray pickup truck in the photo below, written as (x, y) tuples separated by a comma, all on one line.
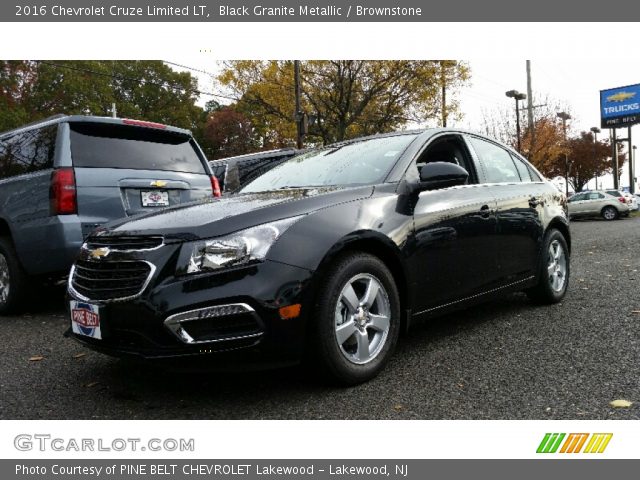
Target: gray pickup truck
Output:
[(62, 177)]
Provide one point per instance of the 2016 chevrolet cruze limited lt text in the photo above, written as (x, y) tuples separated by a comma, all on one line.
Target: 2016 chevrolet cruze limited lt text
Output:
[(327, 257)]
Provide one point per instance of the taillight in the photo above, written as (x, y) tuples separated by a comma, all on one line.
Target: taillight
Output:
[(62, 193), (622, 200), (142, 123), (215, 186)]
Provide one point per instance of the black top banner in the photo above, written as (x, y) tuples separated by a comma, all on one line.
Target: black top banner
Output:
[(318, 11)]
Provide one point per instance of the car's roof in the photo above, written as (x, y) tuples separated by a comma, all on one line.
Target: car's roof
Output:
[(92, 119)]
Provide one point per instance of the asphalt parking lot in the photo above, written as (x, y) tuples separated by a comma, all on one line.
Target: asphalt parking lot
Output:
[(504, 360)]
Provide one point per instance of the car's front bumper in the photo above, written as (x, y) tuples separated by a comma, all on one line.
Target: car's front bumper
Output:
[(154, 325)]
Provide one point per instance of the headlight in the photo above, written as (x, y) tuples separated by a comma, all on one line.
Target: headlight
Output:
[(239, 248)]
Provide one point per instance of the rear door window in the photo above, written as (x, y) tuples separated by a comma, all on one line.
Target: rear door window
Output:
[(496, 162), (523, 171), (27, 152), (105, 145)]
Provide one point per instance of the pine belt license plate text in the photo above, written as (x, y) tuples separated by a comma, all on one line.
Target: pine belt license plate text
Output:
[(85, 319), (155, 198)]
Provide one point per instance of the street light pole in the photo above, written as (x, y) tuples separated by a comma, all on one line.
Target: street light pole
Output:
[(565, 116), (595, 131), (517, 96)]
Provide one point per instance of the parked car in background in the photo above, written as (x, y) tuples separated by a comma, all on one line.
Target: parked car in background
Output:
[(628, 198), (62, 177), (328, 255), (598, 203), (235, 172)]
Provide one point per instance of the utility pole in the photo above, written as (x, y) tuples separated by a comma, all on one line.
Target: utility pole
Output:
[(114, 113), (632, 189), (595, 131), (530, 104), (614, 142), (443, 84), (298, 114)]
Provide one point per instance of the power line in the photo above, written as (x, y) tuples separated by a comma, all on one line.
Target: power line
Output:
[(213, 75), (133, 79)]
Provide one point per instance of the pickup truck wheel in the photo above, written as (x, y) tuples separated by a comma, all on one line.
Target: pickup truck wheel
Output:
[(13, 279)]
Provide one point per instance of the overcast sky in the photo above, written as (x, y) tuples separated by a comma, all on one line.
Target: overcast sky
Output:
[(575, 83)]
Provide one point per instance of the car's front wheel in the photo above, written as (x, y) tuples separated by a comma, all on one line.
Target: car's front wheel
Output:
[(357, 320), (609, 213), (554, 269)]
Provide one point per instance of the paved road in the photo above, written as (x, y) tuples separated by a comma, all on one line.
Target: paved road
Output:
[(504, 360)]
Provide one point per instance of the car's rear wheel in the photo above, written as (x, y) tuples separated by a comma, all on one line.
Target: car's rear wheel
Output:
[(357, 320), (609, 213), (553, 276), (13, 279)]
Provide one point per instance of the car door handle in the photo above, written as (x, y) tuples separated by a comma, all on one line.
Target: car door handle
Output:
[(485, 211), (534, 202)]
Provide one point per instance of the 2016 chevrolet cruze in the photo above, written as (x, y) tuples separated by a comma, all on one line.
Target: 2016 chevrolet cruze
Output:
[(328, 256)]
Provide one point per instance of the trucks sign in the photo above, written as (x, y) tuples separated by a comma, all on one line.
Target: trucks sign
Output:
[(620, 107)]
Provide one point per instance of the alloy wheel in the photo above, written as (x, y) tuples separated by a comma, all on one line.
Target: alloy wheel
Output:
[(557, 266), (362, 318)]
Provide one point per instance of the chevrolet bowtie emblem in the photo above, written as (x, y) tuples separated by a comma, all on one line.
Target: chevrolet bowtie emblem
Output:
[(158, 183), (99, 253), (621, 96)]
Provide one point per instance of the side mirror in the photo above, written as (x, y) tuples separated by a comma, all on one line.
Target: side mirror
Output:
[(441, 175)]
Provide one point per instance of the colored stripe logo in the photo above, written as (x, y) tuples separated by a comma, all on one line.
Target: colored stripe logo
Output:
[(574, 443)]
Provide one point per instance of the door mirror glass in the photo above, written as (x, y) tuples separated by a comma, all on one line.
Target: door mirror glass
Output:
[(436, 175)]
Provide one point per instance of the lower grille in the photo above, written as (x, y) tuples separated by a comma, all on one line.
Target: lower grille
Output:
[(109, 280), (215, 324)]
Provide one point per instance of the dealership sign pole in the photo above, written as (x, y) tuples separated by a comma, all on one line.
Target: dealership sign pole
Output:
[(620, 107)]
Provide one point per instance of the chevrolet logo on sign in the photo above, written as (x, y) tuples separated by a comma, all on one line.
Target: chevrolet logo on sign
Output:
[(158, 183), (621, 96), (99, 253)]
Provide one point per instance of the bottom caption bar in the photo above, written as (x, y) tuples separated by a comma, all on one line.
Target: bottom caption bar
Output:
[(315, 469)]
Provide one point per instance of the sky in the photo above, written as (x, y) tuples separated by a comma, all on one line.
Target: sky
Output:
[(574, 82)]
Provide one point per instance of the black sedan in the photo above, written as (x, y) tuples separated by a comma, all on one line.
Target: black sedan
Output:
[(327, 257)]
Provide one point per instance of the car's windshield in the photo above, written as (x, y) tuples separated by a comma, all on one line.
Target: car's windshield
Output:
[(364, 162)]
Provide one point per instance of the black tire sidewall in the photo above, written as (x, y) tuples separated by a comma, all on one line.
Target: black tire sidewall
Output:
[(328, 353), (17, 278)]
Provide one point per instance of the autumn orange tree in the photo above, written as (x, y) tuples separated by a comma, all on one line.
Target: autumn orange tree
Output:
[(347, 98)]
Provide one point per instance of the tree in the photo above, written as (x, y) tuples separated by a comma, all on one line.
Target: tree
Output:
[(347, 98), (587, 159), (149, 90), (228, 133)]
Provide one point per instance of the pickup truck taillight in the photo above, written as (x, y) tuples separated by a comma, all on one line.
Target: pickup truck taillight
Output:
[(215, 186), (62, 193)]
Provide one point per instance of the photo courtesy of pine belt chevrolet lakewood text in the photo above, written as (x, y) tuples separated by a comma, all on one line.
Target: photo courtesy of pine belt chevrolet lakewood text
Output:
[(325, 258)]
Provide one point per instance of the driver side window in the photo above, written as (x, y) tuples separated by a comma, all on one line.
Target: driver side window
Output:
[(450, 149)]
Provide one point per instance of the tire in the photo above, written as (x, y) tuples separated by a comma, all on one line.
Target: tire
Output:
[(13, 279), (609, 213), (351, 340), (554, 270)]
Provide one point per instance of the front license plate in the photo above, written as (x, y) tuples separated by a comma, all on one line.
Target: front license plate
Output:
[(155, 198), (85, 319)]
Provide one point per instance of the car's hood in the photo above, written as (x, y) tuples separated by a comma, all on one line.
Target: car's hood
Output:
[(228, 214)]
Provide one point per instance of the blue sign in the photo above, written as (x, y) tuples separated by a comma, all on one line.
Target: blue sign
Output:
[(620, 107)]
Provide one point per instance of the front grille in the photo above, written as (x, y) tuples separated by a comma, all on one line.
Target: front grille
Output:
[(109, 280), (124, 242)]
